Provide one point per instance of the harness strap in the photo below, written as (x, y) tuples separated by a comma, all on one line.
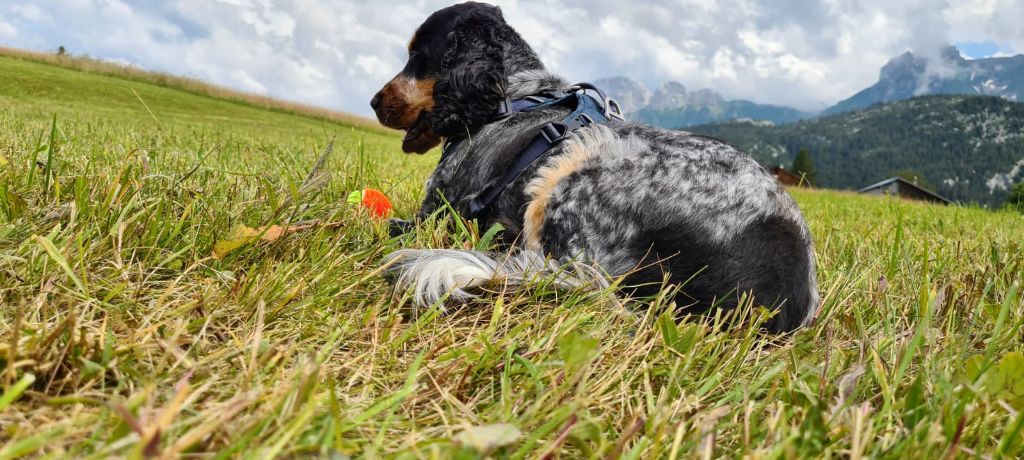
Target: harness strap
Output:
[(586, 110), (550, 135)]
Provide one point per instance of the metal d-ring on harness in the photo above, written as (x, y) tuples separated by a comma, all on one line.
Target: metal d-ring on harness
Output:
[(586, 110)]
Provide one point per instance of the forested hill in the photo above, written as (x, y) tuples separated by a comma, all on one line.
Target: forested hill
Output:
[(970, 147)]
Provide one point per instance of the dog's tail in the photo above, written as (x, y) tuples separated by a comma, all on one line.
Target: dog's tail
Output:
[(432, 273)]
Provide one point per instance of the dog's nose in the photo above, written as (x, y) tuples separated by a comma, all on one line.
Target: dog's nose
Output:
[(375, 102)]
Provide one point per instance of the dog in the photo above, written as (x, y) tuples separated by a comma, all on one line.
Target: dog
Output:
[(615, 200)]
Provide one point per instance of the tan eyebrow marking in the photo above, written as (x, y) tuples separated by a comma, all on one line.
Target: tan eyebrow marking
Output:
[(413, 40)]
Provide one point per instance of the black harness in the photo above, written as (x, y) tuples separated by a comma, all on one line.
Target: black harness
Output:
[(586, 110)]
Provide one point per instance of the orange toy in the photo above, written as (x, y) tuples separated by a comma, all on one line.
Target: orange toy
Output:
[(374, 200)]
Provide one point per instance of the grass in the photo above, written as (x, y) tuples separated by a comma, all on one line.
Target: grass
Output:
[(120, 335), (192, 85)]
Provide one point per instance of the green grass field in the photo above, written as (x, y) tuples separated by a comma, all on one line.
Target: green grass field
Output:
[(121, 336)]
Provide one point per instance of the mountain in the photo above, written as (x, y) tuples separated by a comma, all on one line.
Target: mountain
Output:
[(672, 106), (970, 147), (910, 75), (903, 77)]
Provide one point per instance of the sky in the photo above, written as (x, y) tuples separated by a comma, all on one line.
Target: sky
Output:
[(807, 54)]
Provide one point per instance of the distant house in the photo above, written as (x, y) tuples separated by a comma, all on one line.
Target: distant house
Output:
[(788, 178), (898, 186)]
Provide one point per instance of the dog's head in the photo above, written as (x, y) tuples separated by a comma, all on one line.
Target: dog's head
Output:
[(454, 79)]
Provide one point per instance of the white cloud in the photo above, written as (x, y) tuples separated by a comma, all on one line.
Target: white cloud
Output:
[(373, 65), (805, 53), (7, 30), (32, 13), (994, 20), (266, 20)]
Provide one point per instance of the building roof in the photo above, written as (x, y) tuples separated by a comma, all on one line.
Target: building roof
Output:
[(903, 181), (778, 169)]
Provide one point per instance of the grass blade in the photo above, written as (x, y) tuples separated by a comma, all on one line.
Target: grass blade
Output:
[(57, 257), (15, 390)]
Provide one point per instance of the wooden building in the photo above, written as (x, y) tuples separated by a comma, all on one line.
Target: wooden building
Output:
[(788, 178), (898, 186)]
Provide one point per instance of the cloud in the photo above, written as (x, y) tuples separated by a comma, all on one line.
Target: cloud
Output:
[(992, 20), (805, 53), (32, 13), (6, 30)]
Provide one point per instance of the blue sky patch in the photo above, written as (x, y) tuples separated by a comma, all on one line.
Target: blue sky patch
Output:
[(978, 50)]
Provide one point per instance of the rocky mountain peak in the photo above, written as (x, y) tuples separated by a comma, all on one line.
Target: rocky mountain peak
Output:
[(943, 71), (902, 65), (672, 106), (705, 97), (909, 63), (670, 95)]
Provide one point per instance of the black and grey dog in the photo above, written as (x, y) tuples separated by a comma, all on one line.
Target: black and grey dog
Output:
[(645, 204)]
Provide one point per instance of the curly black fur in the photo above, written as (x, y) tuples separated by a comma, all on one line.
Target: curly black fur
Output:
[(473, 79)]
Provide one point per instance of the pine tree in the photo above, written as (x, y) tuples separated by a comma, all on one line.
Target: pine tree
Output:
[(803, 166), (1016, 198)]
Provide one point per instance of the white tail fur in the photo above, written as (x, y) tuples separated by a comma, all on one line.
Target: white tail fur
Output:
[(432, 273)]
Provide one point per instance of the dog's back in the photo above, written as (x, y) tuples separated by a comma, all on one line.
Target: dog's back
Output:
[(651, 204)]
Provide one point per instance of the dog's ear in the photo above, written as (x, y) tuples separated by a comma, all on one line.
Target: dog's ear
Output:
[(473, 80)]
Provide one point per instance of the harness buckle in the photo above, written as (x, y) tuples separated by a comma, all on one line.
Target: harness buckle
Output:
[(504, 109), (584, 120), (612, 109), (554, 132)]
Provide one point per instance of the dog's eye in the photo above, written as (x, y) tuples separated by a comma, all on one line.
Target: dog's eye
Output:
[(417, 63)]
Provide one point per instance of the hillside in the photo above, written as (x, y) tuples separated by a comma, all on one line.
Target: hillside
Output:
[(672, 106), (122, 72), (970, 147), (910, 75), (123, 334)]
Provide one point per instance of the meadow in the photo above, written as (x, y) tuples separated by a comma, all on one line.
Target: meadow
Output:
[(147, 310)]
